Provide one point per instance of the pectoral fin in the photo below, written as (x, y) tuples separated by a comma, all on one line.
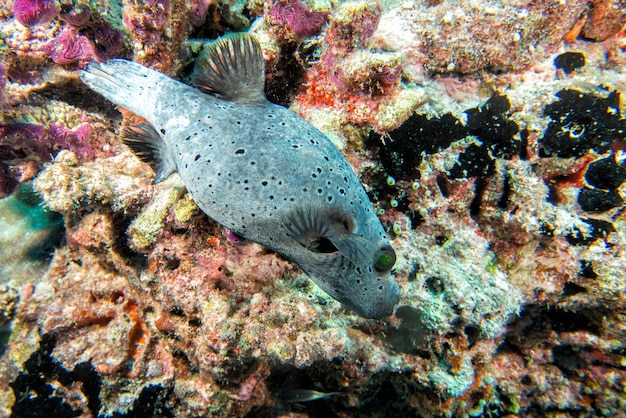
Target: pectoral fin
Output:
[(150, 148)]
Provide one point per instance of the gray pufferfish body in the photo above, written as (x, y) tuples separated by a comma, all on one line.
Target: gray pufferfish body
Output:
[(257, 168)]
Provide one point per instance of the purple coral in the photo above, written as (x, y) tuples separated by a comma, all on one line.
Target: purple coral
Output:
[(302, 21), (198, 11), (70, 46), (76, 140), (109, 41), (33, 12), (76, 15), (18, 140)]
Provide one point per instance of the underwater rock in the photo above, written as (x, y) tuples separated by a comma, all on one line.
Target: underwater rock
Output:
[(34, 388), (606, 18), (452, 36), (512, 302), (599, 229)]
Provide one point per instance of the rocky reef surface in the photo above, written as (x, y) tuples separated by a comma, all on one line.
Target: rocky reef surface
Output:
[(489, 135)]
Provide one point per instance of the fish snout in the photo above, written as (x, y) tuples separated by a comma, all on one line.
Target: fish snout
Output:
[(381, 304)]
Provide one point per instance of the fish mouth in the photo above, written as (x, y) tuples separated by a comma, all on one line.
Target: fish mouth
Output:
[(380, 308)]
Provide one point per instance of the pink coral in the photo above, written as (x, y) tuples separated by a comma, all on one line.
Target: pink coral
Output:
[(33, 12), (302, 21), (75, 140), (198, 11), (70, 46)]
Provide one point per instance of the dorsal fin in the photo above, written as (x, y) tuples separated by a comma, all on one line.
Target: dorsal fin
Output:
[(232, 68), (149, 147)]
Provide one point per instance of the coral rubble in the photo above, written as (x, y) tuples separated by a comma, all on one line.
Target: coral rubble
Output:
[(490, 137)]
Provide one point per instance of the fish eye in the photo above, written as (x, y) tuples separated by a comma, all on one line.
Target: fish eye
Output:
[(385, 259)]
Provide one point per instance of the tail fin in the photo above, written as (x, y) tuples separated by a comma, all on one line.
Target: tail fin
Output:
[(130, 85)]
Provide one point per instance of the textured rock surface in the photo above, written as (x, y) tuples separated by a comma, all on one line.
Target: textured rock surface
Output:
[(510, 244)]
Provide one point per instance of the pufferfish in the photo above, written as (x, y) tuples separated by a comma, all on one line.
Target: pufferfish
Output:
[(257, 168)]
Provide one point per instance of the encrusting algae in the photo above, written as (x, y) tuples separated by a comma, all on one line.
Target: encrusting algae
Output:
[(489, 139)]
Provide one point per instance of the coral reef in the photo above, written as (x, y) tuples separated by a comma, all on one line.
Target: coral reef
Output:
[(452, 36), (490, 137)]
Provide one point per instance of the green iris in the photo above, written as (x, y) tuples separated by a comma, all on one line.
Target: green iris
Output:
[(385, 259)]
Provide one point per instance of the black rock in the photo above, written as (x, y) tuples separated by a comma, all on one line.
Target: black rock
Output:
[(582, 122), (402, 150), (596, 200), (490, 124), (599, 229), (570, 61), (475, 161), (605, 174)]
